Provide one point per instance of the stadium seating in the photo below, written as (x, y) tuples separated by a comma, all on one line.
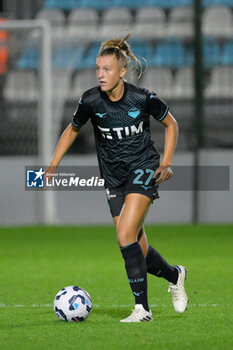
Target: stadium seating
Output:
[(162, 34), (184, 84), (143, 49), (211, 53), (63, 4), (104, 4), (29, 59), (82, 81), (91, 19), (88, 60), (170, 3), (227, 55), (159, 80), (100, 5), (220, 85), (55, 16), (171, 53), (180, 22), (150, 22), (218, 2), (60, 87), (119, 15), (68, 5), (67, 57), (81, 16), (115, 21), (82, 23), (21, 86), (133, 77), (131, 4), (217, 21)]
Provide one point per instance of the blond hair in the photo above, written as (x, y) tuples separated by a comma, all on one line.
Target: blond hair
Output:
[(123, 53)]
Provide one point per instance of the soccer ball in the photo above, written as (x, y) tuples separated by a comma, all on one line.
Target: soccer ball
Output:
[(72, 304)]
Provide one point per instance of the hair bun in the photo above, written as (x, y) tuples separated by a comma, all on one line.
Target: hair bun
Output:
[(121, 49)]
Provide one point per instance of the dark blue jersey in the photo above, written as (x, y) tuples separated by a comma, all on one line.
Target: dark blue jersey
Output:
[(122, 130)]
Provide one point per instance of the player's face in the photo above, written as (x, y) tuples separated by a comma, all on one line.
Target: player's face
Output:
[(109, 73)]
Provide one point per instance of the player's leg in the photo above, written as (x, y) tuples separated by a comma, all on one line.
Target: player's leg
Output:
[(131, 218), (156, 264), (142, 239), (175, 275), (134, 258), (128, 226)]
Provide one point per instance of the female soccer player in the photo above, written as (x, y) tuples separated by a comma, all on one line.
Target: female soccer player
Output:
[(129, 164)]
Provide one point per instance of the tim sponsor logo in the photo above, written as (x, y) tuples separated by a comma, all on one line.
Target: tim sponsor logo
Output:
[(121, 132)]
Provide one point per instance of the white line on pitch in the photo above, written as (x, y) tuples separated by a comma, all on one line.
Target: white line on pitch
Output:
[(97, 306)]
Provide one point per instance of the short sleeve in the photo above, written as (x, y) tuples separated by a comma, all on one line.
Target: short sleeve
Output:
[(156, 107), (80, 116)]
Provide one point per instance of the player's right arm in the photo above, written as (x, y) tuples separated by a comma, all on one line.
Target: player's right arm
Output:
[(66, 140)]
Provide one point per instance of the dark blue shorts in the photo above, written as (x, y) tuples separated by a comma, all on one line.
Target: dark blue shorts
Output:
[(140, 181)]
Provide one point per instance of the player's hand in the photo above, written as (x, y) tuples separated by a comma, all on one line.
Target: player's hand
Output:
[(162, 173), (49, 174)]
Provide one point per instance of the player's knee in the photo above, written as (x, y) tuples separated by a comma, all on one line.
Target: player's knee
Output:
[(125, 237)]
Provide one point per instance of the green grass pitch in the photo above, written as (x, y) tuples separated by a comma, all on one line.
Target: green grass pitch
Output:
[(36, 262)]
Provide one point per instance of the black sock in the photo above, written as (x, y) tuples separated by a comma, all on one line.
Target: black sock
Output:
[(135, 264), (157, 266)]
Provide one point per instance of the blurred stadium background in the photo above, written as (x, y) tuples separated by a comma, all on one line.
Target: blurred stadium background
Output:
[(47, 59)]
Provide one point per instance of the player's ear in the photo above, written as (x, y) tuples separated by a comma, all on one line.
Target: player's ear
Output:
[(123, 72)]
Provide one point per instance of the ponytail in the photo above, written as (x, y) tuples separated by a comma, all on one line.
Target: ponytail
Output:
[(123, 53)]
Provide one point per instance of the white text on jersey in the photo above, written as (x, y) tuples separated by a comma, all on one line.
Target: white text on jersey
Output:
[(121, 132)]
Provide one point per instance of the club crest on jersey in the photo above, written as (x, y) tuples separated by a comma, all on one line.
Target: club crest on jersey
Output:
[(134, 112), (101, 115)]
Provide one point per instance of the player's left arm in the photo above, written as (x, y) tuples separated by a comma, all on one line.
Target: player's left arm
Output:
[(164, 171)]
